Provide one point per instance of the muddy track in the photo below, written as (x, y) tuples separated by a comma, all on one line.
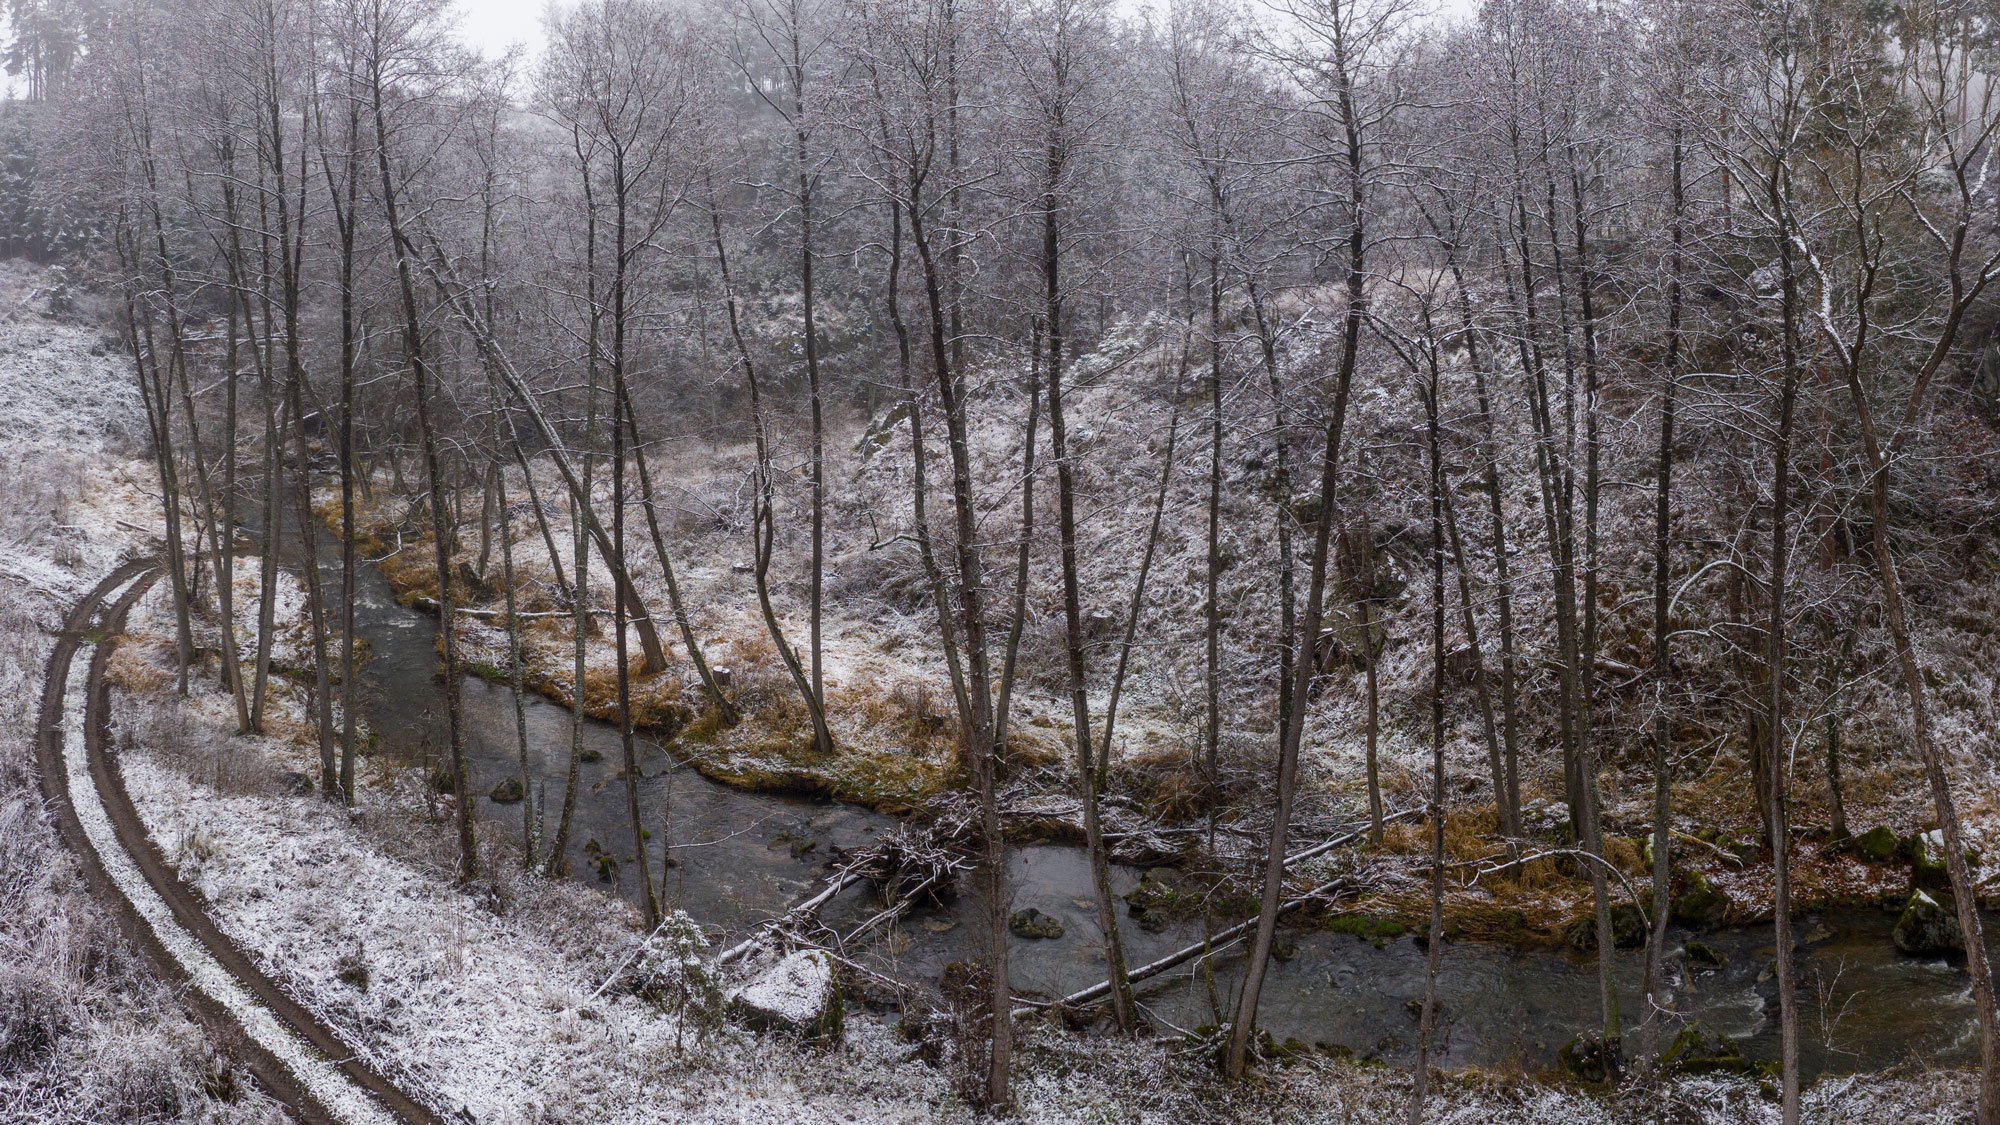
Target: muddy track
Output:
[(294, 1056)]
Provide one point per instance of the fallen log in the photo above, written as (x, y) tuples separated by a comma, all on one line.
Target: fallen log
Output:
[(1216, 943), (842, 880)]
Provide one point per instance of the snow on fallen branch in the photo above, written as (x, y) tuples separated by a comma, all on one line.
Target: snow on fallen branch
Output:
[(1227, 938)]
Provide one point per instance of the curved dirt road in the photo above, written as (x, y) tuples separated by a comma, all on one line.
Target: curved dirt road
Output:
[(294, 1056)]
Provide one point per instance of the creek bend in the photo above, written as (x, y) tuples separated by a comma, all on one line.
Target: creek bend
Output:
[(742, 857)]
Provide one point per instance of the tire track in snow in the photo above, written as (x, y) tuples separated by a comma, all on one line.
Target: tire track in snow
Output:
[(294, 1056)]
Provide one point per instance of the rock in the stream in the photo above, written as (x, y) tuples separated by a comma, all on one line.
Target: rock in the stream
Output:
[(507, 792), (1584, 1057), (1700, 905), (1702, 953), (799, 995), (1032, 923), (1929, 926), (1699, 1049)]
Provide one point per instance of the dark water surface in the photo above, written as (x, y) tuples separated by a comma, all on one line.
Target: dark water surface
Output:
[(744, 857)]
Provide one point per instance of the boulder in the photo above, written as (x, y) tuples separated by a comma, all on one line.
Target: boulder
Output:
[(1699, 1049), (1927, 867), (1701, 905), (1032, 923), (800, 995), (1284, 945), (1929, 926), (508, 791), (1584, 1057), (1702, 953), (1877, 845), (1628, 929)]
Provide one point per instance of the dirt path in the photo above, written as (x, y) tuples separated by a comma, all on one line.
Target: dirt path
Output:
[(294, 1056)]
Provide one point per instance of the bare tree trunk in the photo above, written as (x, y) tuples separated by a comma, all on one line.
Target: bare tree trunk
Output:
[(763, 532), (1093, 831), (1427, 1017), (1964, 891), (1788, 1004), (1364, 600), (1019, 616), (413, 347), (674, 601), (1662, 733), (977, 721), (1242, 1027), (1211, 729), (516, 671), (1145, 569)]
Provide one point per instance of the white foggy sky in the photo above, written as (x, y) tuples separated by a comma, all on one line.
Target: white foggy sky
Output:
[(495, 25)]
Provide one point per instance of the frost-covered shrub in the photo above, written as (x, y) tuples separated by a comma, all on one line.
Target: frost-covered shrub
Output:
[(673, 971)]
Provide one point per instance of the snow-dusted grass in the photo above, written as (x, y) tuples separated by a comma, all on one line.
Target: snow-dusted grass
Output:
[(326, 1084), (86, 1033), (483, 999)]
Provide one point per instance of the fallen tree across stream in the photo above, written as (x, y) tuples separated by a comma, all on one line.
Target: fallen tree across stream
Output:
[(1215, 943)]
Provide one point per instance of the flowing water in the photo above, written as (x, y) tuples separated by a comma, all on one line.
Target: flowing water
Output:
[(744, 857)]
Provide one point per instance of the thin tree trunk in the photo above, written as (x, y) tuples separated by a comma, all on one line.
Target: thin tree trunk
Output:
[(1788, 1007), (1018, 618), (1100, 874), (516, 672), (413, 347), (674, 601), (1662, 733), (1364, 600), (1427, 1017), (762, 530), (1242, 1027)]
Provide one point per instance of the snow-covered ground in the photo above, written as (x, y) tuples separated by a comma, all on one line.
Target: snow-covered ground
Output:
[(489, 999), (86, 1033)]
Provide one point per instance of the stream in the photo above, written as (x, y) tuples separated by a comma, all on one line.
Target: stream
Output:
[(744, 857)]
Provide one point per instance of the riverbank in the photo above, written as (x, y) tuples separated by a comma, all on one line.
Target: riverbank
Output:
[(889, 710), (486, 997)]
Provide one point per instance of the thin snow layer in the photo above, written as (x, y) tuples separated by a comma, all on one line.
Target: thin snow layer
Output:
[(493, 1013), (470, 1009), (796, 990), (327, 1085)]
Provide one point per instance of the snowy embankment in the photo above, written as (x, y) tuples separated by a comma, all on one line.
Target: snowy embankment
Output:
[(312, 1070), (487, 1001), (490, 1000), (86, 1033)]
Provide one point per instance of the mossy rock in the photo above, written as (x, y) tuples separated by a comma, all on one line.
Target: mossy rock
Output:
[(1928, 871), (1702, 953), (508, 791), (1284, 946), (590, 754), (1034, 924), (1367, 927), (441, 780), (1284, 1054), (1929, 926), (1628, 929), (1699, 1049), (1585, 1059), (1700, 905), (1157, 902), (1877, 845)]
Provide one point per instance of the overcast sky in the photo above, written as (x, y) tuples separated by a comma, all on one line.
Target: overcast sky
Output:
[(495, 25)]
